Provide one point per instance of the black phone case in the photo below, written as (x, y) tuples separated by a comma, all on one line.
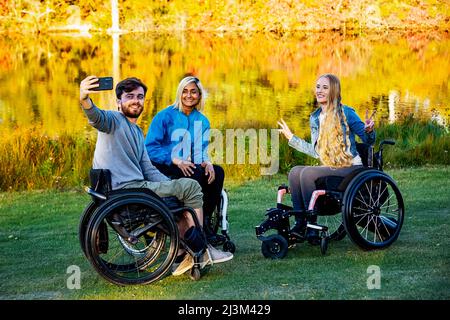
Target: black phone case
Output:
[(105, 83)]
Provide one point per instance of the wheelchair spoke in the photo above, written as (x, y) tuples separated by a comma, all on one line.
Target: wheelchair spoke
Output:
[(377, 232), (388, 200), (359, 208), (385, 228), (362, 200), (366, 227), (380, 194), (364, 216), (369, 191)]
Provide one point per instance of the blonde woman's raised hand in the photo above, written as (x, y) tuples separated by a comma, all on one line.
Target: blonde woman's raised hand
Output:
[(285, 129)]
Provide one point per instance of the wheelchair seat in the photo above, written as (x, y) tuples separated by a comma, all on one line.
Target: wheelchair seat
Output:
[(337, 183), (101, 183)]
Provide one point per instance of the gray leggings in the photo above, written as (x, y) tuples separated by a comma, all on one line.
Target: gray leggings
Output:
[(302, 181)]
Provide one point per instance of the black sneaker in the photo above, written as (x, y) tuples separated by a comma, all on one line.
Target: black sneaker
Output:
[(298, 230)]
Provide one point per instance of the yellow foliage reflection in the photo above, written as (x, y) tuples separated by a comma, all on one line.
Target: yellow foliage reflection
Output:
[(252, 81)]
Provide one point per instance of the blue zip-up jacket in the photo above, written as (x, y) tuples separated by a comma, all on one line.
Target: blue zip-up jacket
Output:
[(355, 125), (172, 134)]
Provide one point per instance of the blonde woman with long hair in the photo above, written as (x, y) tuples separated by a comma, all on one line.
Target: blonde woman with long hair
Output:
[(333, 129)]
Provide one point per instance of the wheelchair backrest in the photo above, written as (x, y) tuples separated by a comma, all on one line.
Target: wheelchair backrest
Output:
[(366, 153), (100, 180)]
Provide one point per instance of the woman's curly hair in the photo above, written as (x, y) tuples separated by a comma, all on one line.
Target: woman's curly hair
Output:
[(332, 146)]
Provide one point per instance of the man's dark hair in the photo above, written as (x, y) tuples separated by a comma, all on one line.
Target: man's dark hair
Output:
[(128, 85)]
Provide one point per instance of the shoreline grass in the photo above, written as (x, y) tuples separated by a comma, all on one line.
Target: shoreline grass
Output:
[(39, 241), (32, 161)]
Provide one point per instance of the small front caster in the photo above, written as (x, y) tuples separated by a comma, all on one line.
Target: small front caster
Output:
[(274, 247), (323, 243), (195, 273), (229, 246)]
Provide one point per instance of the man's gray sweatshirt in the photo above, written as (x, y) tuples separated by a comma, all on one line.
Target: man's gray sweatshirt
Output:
[(120, 148)]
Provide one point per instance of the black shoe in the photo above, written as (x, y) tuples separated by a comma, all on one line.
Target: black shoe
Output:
[(298, 230), (313, 236)]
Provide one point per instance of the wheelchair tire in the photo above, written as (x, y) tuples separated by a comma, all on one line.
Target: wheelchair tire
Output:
[(229, 246), (324, 245), (84, 220), (373, 210), (126, 263), (274, 247)]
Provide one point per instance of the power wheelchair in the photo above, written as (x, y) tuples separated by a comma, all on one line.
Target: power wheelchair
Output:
[(366, 205), (130, 236)]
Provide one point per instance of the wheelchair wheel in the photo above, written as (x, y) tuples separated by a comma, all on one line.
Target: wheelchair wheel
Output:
[(123, 262), (336, 229), (195, 273), (274, 247), (373, 210), (229, 246), (324, 244)]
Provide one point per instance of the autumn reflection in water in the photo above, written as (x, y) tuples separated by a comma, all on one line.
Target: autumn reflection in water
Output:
[(251, 81)]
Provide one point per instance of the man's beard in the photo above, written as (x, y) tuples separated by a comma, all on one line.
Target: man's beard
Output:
[(126, 110)]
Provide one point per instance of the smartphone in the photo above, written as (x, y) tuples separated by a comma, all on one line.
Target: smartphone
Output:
[(104, 83)]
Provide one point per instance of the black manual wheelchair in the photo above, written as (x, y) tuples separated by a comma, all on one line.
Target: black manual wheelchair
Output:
[(366, 205), (130, 236), (219, 219)]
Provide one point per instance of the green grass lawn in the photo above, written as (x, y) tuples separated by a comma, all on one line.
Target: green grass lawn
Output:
[(39, 241)]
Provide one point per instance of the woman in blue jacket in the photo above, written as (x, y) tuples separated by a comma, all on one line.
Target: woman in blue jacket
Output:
[(333, 129), (177, 142)]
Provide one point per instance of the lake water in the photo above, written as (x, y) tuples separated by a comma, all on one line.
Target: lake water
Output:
[(252, 81)]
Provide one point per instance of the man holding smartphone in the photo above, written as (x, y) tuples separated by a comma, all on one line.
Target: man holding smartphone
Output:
[(120, 148)]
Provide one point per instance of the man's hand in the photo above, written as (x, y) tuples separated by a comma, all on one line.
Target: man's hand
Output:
[(285, 129), (209, 171), (369, 123), (185, 166), (86, 85)]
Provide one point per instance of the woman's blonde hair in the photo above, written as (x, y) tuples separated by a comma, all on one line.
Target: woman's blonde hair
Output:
[(183, 83), (332, 146)]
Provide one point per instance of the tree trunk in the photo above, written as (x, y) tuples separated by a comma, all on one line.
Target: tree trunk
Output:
[(115, 16)]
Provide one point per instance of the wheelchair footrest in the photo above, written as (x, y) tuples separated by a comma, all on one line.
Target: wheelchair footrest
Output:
[(317, 227), (216, 239)]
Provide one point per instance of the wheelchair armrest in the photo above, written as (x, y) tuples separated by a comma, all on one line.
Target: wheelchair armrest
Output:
[(94, 194), (315, 195)]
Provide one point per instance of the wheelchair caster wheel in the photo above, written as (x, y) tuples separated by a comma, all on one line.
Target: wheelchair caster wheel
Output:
[(229, 246), (324, 245), (274, 247), (195, 274)]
